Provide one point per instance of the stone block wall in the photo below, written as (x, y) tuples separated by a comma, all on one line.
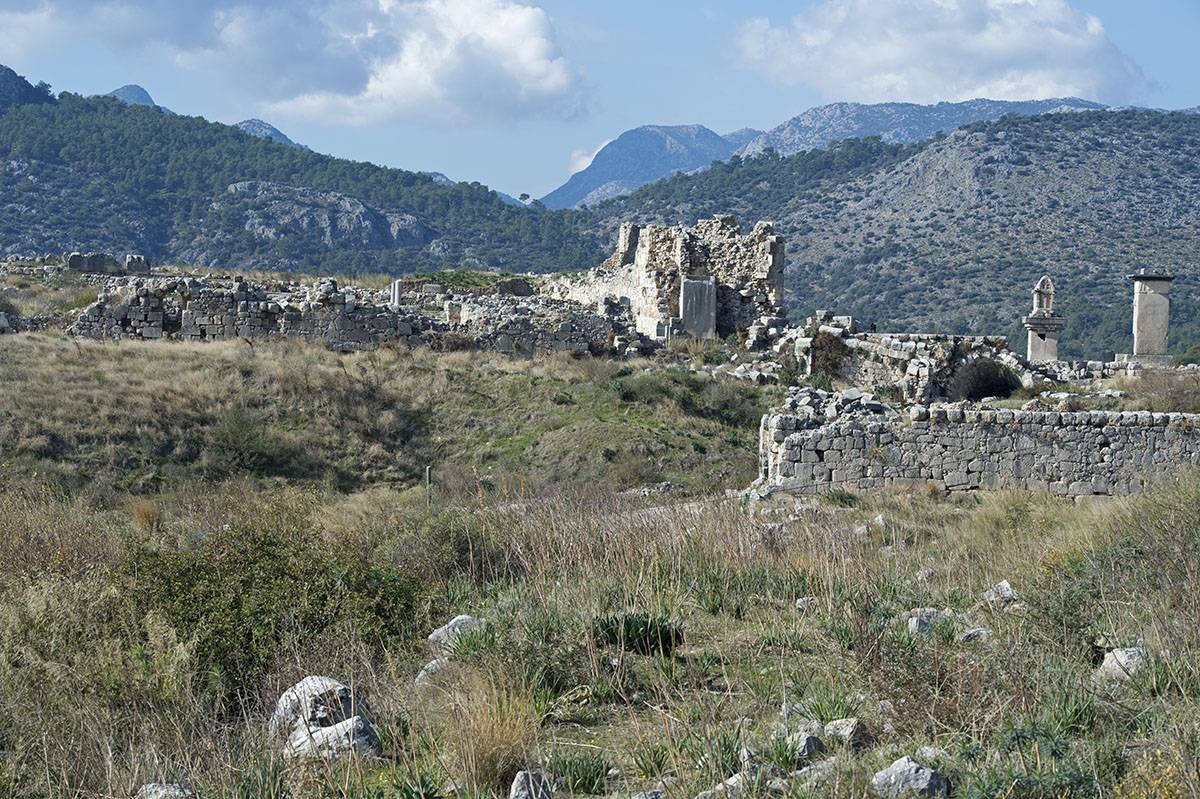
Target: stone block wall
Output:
[(650, 263), (806, 448), (196, 310)]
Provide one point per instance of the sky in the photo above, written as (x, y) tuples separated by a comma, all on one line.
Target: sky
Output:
[(518, 94)]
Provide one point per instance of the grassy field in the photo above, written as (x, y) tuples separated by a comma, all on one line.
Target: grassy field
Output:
[(187, 530), (143, 417)]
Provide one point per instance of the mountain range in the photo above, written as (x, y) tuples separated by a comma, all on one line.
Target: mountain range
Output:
[(651, 152), (132, 94)]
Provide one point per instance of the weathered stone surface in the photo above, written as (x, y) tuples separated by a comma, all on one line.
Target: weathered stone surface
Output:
[(442, 639), (817, 441), (354, 736), (1121, 664), (530, 785), (321, 717), (976, 635), (164, 790), (805, 744), (315, 701), (907, 777), (434, 673), (646, 271), (851, 732)]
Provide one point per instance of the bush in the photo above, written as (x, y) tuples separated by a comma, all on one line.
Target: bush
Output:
[(638, 632), (252, 587), (828, 354), (582, 773)]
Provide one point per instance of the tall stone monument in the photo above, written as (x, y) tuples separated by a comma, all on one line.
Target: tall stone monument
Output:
[(1043, 324), (1151, 314)]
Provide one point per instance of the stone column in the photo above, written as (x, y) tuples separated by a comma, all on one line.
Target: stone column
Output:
[(397, 293), (1151, 312), (1043, 324)]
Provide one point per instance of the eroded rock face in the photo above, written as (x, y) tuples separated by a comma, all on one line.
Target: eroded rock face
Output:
[(273, 211), (907, 777)]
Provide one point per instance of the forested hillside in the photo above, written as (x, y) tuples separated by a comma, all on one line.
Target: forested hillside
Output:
[(951, 234), (94, 173)]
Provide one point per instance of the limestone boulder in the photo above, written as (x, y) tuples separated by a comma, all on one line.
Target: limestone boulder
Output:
[(805, 744), (849, 732), (164, 790), (354, 736), (315, 702), (1121, 664), (905, 778), (442, 639), (530, 785)]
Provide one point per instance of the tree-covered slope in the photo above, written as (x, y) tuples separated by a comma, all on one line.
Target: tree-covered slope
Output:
[(952, 234), (95, 173)]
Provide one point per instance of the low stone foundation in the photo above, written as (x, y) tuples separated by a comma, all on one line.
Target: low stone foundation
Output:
[(819, 441)]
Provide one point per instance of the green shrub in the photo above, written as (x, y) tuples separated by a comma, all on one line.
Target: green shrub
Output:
[(651, 759), (582, 773), (638, 632), (249, 588)]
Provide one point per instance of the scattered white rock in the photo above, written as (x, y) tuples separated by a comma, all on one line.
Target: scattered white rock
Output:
[(530, 785), (163, 790), (314, 702), (433, 672), (1000, 592), (850, 732), (907, 777), (442, 639), (354, 736), (976, 635), (919, 626), (928, 754), (1121, 664), (805, 744), (321, 717), (815, 771)]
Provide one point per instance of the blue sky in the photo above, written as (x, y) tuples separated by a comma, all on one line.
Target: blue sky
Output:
[(518, 93)]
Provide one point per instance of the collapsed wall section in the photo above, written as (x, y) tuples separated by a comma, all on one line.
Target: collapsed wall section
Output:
[(648, 272), (808, 448)]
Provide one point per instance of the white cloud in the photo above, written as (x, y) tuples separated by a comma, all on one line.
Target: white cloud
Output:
[(932, 50), (351, 61), (582, 158)]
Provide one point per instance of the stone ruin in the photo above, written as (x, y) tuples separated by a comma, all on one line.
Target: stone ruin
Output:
[(701, 282), (916, 367), (1043, 324), (344, 319), (105, 264), (663, 282), (823, 440)]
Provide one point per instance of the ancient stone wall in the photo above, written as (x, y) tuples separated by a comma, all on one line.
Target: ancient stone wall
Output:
[(197, 310), (346, 319), (647, 270), (105, 264), (921, 367), (819, 441)]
